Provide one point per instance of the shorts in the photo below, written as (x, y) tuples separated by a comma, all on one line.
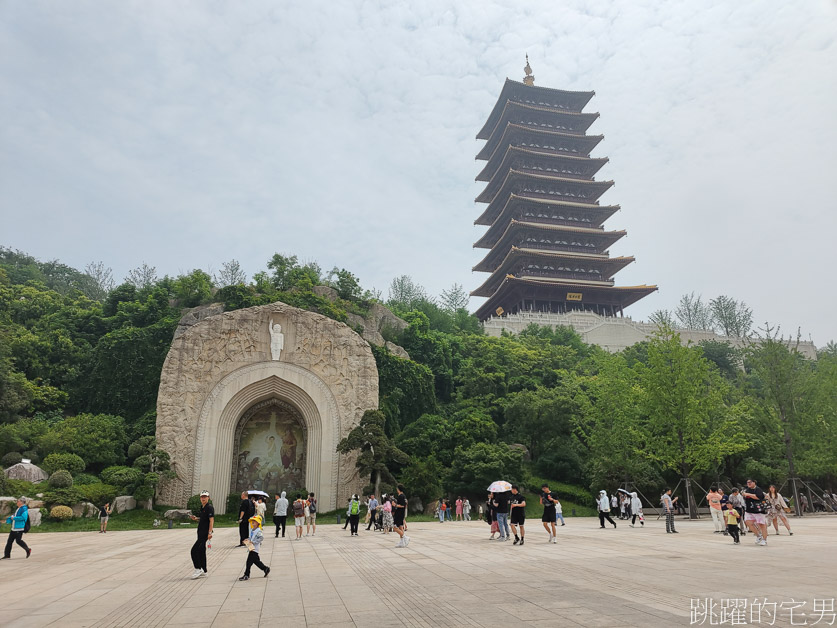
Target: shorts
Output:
[(311, 519), (299, 521), (104, 519), (518, 519), (755, 517), (548, 515), (398, 519)]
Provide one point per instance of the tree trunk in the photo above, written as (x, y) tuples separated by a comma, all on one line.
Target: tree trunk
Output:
[(791, 467), (377, 484)]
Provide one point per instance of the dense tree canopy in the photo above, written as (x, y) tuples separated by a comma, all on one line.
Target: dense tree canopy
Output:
[(80, 362)]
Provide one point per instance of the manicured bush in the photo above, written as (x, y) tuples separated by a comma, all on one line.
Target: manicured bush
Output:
[(11, 458), (70, 462), (61, 513), (85, 478), (61, 479), (123, 477), (63, 496), (194, 504), (99, 493)]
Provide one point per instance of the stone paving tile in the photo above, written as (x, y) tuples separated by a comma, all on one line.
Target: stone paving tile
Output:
[(450, 575)]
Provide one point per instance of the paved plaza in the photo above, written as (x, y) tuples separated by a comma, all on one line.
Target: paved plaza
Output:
[(450, 575)]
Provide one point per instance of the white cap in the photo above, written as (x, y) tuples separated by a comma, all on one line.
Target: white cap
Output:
[(204, 493)]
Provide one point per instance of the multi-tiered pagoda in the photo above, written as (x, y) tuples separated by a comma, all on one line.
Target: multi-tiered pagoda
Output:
[(547, 247)]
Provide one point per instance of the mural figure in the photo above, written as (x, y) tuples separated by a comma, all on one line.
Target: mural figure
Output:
[(277, 339), (271, 451)]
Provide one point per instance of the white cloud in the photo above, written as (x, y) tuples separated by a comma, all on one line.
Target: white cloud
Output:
[(184, 134)]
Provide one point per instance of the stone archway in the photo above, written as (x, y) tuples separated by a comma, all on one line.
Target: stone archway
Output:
[(222, 366)]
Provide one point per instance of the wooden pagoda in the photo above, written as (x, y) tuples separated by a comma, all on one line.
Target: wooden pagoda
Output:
[(547, 246)]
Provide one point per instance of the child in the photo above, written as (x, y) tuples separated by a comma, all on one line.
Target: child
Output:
[(732, 517), (256, 538)]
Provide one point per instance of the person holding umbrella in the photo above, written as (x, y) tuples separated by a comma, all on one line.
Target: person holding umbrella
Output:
[(501, 504)]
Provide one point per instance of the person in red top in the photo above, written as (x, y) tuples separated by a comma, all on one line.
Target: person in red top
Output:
[(714, 499)]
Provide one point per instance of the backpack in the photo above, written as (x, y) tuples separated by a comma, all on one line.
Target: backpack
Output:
[(355, 508), (298, 509), (28, 523), (312, 506)]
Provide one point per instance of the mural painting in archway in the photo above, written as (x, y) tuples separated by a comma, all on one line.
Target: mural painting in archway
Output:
[(270, 449)]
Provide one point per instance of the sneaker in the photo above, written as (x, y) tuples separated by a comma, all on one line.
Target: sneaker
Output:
[(549, 540), (563, 524), (758, 541), (266, 571), (791, 533), (763, 543), (400, 543), (737, 543), (28, 552), (717, 531), (642, 523), (630, 524), (675, 532), (406, 540), (244, 577), (554, 539), (198, 573), (516, 541), (521, 541)]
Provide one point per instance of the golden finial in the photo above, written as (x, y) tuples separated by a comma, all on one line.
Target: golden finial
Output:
[(529, 79)]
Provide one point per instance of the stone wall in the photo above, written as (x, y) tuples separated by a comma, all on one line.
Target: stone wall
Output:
[(221, 365), (610, 333)]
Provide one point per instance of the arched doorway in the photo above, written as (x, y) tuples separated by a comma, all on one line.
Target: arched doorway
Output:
[(270, 448)]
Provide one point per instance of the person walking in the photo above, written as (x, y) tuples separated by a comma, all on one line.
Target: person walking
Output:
[(459, 509), (299, 516), (280, 514), (755, 507), (501, 503), (668, 508), (547, 500), (614, 504), (354, 514), (604, 510), (311, 515), (440, 509), (19, 521), (398, 516), (255, 538), (714, 500), (245, 511), (518, 514), (636, 510), (737, 502), (776, 511), (732, 516), (104, 515), (466, 509), (206, 524), (386, 514), (559, 511), (491, 515), (372, 508)]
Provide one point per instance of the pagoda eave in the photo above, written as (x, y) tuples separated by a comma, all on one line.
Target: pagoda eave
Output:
[(594, 164), (589, 142)]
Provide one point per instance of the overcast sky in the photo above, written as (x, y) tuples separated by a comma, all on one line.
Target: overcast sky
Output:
[(184, 134)]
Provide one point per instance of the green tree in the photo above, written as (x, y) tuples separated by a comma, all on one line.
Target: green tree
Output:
[(535, 417), (690, 428), (422, 479), (99, 439), (477, 466), (377, 456)]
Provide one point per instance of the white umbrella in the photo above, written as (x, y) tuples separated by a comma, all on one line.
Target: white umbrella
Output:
[(262, 493), (500, 486)]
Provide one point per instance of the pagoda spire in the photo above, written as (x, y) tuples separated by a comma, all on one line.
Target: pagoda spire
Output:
[(529, 79)]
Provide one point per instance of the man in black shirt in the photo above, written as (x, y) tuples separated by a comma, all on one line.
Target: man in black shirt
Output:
[(245, 511), (548, 518), (206, 523), (398, 513), (518, 514), (754, 512)]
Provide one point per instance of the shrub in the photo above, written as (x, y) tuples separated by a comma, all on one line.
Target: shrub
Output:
[(99, 493), (233, 500), (20, 487), (61, 479), (85, 478), (11, 458), (194, 504), (32, 455), (70, 462), (4, 485), (123, 477), (61, 513), (63, 496)]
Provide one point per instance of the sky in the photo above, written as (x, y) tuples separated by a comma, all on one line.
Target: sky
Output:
[(186, 134)]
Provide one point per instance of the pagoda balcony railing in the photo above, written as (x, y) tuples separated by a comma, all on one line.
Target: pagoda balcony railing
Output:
[(557, 274), (555, 172), (552, 220), (570, 248), (555, 196)]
